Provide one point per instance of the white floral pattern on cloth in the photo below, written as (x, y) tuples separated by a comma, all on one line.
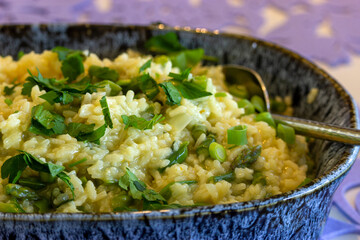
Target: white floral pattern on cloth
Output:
[(325, 30)]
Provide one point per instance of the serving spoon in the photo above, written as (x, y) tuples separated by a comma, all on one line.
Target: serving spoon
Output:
[(236, 74)]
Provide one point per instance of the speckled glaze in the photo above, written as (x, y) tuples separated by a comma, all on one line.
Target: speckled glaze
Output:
[(298, 214)]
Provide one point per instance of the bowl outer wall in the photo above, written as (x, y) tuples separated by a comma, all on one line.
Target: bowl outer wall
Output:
[(299, 213)]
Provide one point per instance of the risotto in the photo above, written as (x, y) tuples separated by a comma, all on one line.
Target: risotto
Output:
[(132, 133)]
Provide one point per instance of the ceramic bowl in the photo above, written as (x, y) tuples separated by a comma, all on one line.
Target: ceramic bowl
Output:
[(299, 214)]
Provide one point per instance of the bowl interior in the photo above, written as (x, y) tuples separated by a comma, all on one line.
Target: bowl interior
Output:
[(284, 73)]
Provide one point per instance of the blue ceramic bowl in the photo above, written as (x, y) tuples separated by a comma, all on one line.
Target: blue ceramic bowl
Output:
[(298, 214)]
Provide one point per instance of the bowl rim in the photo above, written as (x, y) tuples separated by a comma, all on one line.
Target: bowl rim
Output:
[(337, 171)]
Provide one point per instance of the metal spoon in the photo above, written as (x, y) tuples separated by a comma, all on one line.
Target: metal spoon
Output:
[(236, 74)]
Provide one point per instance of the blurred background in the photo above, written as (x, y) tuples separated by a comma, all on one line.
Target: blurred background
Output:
[(324, 31)]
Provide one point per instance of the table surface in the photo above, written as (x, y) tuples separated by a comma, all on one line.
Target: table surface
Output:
[(325, 31)]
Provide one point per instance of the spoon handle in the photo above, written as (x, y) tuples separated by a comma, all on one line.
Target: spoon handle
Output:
[(320, 130)]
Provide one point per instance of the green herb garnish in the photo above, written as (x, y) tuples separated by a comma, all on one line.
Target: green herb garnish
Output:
[(86, 132), (10, 90), (141, 123), (14, 166), (20, 55), (173, 96), (72, 66), (180, 84), (103, 73), (45, 122), (57, 90), (237, 135), (145, 65), (106, 112), (178, 156), (178, 54), (77, 162), (71, 62), (137, 188)]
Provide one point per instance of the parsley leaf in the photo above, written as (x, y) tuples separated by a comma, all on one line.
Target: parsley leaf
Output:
[(137, 188), (46, 84), (71, 62), (72, 66), (106, 112), (188, 89), (20, 55), (145, 65), (164, 43), (187, 58), (14, 166), (184, 75), (86, 132), (103, 73), (179, 55), (63, 52), (45, 122), (10, 90), (172, 94), (57, 91), (148, 86), (191, 90), (141, 123)]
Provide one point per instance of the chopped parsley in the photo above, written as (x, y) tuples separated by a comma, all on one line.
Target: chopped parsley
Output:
[(77, 162), (180, 84), (180, 56), (45, 122), (145, 65), (71, 62), (138, 189), (86, 132), (148, 86), (20, 55), (103, 73), (57, 91), (173, 96), (106, 112), (14, 166), (141, 123), (9, 90)]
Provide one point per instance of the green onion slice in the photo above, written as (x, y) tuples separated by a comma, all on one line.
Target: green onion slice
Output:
[(265, 117), (237, 135), (77, 163), (217, 152), (286, 133), (258, 103), (247, 105)]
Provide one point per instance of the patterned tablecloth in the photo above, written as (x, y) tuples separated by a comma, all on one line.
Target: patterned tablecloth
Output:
[(325, 31)]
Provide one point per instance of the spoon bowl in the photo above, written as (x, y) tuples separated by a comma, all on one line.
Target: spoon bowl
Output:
[(252, 81)]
